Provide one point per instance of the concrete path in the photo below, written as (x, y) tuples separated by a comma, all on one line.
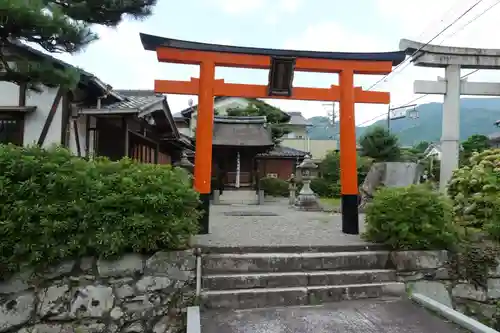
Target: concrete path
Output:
[(365, 316), (283, 227)]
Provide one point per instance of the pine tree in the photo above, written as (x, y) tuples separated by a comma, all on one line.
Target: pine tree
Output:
[(58, 26)]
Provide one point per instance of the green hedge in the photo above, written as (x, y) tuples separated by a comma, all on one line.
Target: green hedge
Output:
[(56, 206), (474, 190), (274, 186), (413, 217)]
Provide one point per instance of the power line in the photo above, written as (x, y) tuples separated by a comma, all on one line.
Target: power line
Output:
[(440, 21), (407, 61), (412, 101), (470, 21)]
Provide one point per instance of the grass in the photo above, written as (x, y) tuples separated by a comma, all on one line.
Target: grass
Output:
[(331, 202)]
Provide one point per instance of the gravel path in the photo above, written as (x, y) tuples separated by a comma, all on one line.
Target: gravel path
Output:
[(289, 228)]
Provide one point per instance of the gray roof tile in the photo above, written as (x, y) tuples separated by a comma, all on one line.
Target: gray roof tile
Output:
[(136, 99), (296, 118), (241, 132), (281, 151)]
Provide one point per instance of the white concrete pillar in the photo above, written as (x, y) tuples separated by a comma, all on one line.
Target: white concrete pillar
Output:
[(238, 166), (450, 139)]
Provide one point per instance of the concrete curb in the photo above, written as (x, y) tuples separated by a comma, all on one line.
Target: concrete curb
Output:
[(193, 320), (455, 316)]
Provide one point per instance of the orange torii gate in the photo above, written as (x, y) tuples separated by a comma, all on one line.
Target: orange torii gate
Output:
[(281, 65)]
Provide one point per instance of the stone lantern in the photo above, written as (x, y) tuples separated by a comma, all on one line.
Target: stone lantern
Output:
[(185, 163), (307, 199)]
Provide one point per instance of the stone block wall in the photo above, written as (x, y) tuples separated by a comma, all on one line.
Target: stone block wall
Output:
[(428, 273), (133, 293)]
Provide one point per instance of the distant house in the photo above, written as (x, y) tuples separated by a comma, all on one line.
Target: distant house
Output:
[(91, 119), (433, 150)]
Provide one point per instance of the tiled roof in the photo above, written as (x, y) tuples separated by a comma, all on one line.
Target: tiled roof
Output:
[(237, 131), (281, 151), (240, 120), (296, 118), (136, 99), (85, 77)]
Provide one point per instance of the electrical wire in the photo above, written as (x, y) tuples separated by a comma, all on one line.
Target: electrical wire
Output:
[(475, 18), (450, 9), (407, 61), (412, 101), (470, 21)]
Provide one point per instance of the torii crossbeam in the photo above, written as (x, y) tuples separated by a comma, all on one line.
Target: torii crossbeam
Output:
[(281, 65)]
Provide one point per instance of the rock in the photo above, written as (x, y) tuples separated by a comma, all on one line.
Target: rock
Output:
[(87, 264), (468, 291), (59, 270), (47, 328), (54, 301), (65, 328), (17, 283), (134, 328), (128, 265), (432, 289), (389, 174), (152, 283), (92, 301), (124, 291), (16, 311), (418, 260), (493, 288), (175, 265), (90, 328), (161, 326), (116, 313)]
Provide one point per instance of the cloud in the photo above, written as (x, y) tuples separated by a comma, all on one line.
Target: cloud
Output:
[(409, 19), (290, 5), (239, 6), (343, 40)]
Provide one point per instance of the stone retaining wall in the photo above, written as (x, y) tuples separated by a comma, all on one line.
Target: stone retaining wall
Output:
[(134, 293), (428, 273)]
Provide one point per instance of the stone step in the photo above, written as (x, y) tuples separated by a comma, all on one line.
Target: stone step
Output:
[(296, 279), (292, 262), (289, 248), (313, 295)]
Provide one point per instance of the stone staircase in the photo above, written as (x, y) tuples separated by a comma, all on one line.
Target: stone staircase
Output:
[(238, 197), (256, 280)]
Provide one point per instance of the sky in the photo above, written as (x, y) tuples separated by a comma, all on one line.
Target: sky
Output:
[(119, 59)]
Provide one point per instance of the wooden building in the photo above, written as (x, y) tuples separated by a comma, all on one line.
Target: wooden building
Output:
[(243, 150), (90, 119)]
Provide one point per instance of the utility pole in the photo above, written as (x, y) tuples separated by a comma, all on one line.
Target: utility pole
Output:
[(332, 115)]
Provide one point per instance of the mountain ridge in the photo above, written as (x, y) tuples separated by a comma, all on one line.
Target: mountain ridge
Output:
[(477, 116)]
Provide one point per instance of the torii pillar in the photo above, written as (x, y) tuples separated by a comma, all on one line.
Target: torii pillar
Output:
[(452, 59)]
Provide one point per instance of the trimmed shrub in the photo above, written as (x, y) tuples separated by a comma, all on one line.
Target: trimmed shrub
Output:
[(274, 187), (56, 206), (474, 190), (413, 217), (325, 188)]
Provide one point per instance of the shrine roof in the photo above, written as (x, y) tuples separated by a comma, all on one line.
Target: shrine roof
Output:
[(281, 151), (151, 43), (241, 131)]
